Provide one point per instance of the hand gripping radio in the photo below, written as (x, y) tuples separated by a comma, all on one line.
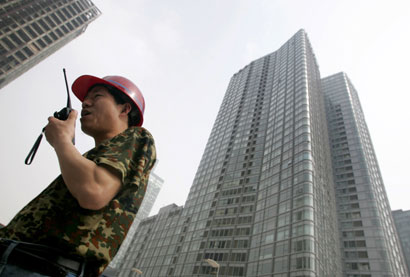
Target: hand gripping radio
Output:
[(61, 115)]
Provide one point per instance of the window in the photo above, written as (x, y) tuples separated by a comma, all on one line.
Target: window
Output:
[(305, 214), (37, 28), (41, 43), (299, 245), (27, 51), (266, 252), (59, 33), (349, 234), (23, 35), (283, 233), (302, 229), (306, 200), (64, 28), (269, 225), (9, 44), (302, 262), (282, 248), (50, 22), (47, 39), (280, 264), (16, 39), (284, 207), (56, 19), (44, 25), (284, 220), (265, 267)]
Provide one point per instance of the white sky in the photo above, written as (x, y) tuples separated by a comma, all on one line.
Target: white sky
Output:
[(182, 54)]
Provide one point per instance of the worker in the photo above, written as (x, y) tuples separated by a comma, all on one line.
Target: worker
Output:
[(77, 224)]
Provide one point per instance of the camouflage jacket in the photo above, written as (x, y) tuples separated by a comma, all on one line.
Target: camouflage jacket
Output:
[(55, 218)]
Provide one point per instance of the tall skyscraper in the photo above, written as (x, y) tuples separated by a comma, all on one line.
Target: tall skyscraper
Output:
[(154, 186), (402, 222), (264, 200), (369, 240), (31, 30)]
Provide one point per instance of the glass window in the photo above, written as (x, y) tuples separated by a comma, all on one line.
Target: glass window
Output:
[(303, 262), (304, 214), (41, 43), (306, 200), (284, 220), (28, 51), (284, 207), (16, 39), (266, 252), (268, 237), (50, 22), (23, 35), (302, 229), (44, 25), (37, 28), (280, 264), (283, 233), (302, 245), (9, 44), (282, 248), (269, 225), (47, 39), (265, 267)]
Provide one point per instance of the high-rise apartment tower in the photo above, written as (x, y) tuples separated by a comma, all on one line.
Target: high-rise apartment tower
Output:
[(154, 186), (402, 223), (369, 240), (31, 30), (264, 200)]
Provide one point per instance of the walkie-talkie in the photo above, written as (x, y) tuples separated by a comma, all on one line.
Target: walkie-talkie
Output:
[(62, 115)]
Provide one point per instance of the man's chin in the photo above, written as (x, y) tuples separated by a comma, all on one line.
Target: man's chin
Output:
[(86, 129)]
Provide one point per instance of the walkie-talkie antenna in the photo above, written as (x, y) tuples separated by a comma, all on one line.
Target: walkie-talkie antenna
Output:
[(62, 115), (68, 91)]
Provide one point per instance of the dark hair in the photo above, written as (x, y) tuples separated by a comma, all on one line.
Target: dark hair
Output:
[(121, 98)]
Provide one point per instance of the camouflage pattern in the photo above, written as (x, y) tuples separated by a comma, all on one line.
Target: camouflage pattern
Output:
[(54, 217)]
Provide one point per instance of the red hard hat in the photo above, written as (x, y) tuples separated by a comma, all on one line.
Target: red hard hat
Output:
[(82, 85)]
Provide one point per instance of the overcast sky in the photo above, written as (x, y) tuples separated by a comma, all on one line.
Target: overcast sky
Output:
[(182, 54)]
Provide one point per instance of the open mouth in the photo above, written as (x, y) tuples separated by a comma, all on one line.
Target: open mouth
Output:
[(85, 113)]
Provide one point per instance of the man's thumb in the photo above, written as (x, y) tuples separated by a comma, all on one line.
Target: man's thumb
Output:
[(73, 115)]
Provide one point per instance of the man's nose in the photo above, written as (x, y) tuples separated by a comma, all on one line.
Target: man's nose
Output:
[(86, 103)]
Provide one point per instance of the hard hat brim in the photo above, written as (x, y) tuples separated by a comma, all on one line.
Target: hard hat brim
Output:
[(82, 85)]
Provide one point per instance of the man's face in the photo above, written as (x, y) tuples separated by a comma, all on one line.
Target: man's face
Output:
[(100, 113)]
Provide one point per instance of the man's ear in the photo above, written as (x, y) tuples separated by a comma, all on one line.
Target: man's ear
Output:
[(126, 108)]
